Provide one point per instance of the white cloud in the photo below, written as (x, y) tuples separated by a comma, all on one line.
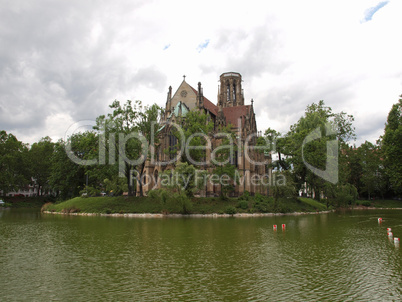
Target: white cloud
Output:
[(69, 60)]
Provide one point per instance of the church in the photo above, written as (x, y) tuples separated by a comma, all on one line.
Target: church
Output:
[(230, 110)]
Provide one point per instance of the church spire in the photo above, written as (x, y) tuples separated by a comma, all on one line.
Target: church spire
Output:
[(200, 96), (169, 101)]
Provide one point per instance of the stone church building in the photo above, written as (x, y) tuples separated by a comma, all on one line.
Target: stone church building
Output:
[(230, 109)]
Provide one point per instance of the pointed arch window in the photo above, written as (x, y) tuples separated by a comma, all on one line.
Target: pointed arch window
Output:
[(172, 145), (234, 93)]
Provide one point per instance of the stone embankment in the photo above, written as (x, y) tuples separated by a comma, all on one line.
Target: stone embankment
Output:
[(160, 215)]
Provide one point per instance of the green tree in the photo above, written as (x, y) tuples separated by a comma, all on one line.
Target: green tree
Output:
[(300, 152), (117, 127), (182, 179), (116, 185), (284, 186), (148, 125), (66, 178), (392, 147), (370, 163), (276, 144), (129, 131), (353, 166), (40, 161), (224, 158), (14, 166), (196, 127)]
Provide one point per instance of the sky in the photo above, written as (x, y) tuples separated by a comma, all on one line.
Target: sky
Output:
[(65, 62)]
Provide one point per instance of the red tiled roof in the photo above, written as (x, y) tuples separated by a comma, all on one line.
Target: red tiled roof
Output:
[(233, 114), (211, 107), (208, 104)]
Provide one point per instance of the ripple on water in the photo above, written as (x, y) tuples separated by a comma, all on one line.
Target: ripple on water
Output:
[(332, 257)]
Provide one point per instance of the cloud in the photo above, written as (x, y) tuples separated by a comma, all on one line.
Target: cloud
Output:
[(62, 62), (369, 13)]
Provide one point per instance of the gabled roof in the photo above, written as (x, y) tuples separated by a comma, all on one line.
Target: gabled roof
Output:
[(233, 114), (181, 109), (208, 104), (211, 107)]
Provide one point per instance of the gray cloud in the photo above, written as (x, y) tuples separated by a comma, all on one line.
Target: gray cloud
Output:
[(55, 61), (251, 52), (69, 60)]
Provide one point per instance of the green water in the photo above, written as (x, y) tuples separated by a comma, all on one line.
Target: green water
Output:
[(327, 257)]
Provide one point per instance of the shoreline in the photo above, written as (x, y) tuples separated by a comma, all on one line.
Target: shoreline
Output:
[(370, 208), (213, 215)]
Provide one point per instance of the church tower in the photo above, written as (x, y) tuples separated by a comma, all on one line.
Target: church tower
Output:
[(230, 92)]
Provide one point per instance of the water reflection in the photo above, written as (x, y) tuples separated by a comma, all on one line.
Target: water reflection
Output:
[(338, 256)]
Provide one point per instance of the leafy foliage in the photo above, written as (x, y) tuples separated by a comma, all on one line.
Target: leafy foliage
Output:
[(196, 126), (14, 165), (392, 147), (129, 131)]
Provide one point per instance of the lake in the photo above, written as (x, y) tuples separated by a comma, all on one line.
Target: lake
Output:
[(343, 256)]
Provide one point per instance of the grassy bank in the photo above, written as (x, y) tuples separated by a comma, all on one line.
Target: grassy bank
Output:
[(381, 203), (110, 205)]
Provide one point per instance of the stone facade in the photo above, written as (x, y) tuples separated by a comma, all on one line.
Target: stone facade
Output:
[(229, 110)]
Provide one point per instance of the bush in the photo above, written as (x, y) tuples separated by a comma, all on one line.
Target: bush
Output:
[(264, 204), (178, 203), (346, 195), (89, 191), (242, 204), (283, 207), (261, 207), (259, 198), (366, 203), (230, 210), (153, 194), (245, 196), (162, 195), (186, 204)]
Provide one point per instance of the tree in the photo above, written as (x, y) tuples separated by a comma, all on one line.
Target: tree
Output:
[(276, 144), (117, 128), (196, 127), (370, 163), (353, 166), (129, 131), (13, 163), (284, 187), (391, 146), (40, 156), (66, 178), (224, 159), (148, 125), (318, 119)]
